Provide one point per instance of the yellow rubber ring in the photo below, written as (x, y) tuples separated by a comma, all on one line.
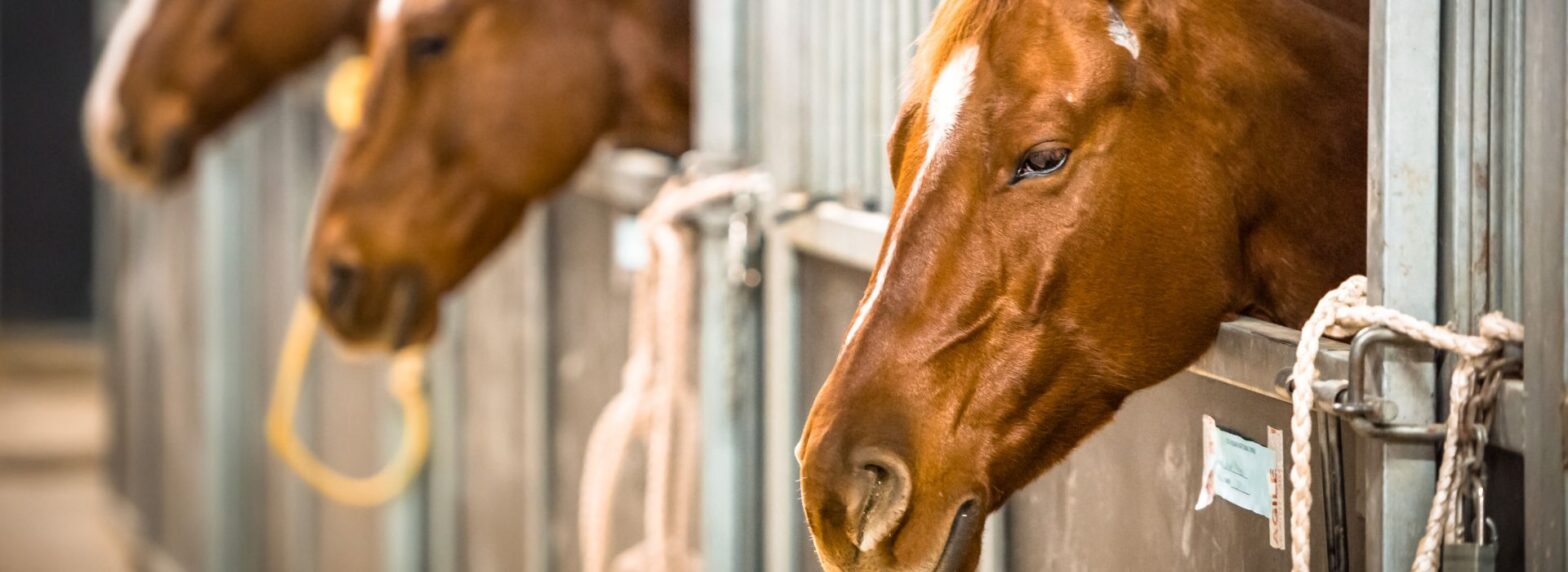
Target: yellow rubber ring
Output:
[(405, 385)]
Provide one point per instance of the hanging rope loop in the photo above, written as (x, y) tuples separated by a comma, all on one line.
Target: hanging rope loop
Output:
[(406, 386), (1345, 310)]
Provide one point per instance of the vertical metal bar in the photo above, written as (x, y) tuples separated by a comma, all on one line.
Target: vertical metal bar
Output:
[(536, 395), (1506, 248), (402, 528), (728, 422), (443, 530), (792, 28), (809, 37), (294, 506), (719, 113), (1546, 122), (229, 364), (833, 13), (889, 34), (1463, 129), (729, 396), (783, 416), (1403, 253)]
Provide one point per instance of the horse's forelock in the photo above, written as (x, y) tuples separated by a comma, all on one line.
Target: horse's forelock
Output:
[(955, 24)]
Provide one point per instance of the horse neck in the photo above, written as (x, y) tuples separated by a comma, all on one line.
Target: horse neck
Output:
[(1303, 203), (650, 42)]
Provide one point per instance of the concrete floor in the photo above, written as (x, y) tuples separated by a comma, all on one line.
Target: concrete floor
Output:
[(54, 506)]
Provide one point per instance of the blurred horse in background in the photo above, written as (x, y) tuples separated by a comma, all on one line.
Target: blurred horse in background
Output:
[(1085, 190), (176, 71), (475, 110)]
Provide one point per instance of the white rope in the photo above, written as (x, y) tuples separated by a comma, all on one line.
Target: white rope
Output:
[(1346, 307), (657, 401)]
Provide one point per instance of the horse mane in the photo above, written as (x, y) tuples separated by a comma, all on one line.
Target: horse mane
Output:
[(956, 23)]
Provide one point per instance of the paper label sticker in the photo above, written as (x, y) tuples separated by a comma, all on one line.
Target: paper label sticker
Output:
[(1238, 471), (1277, 490)]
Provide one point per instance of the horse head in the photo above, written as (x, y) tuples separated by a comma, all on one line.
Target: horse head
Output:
[(176, 71), (1085, 190), (476, 109)]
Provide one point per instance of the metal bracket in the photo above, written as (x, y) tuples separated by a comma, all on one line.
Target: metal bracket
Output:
[(1370, 415)]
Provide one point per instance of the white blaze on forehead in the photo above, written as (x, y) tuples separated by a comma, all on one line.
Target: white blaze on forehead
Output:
[(104, 113), (942, 109), (388, 10), (1121, 34)]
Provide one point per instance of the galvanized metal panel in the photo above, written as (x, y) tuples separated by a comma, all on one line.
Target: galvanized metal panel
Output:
[(1402, 259), (729, 387), (506, 479), (1124, 499), (828, 295), (589, 313), (1545, 115), (296, 135), (230, 368)]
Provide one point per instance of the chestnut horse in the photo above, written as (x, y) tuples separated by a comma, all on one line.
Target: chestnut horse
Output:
[(176, 71), (476, 109), (1085, 191)]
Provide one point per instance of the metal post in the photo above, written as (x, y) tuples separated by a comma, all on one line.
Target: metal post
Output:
[(784, 103), (726, 315), (230, 366), (1545, 76), (729, 390), (537, 395), (719, 80), (1403, 202)]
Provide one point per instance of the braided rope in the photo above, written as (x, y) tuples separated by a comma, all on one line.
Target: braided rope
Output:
[(1346, 307), (657, 402)]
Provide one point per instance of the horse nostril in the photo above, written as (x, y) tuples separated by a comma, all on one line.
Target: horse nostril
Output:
[(176, 152), (125, 141), (877, 497), (407, 288), (343, 283)]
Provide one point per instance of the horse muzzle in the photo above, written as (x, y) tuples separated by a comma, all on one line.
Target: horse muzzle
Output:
[(387, 309)]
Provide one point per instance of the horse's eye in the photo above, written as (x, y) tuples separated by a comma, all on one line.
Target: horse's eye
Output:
[(1041, 161), (424, 47)]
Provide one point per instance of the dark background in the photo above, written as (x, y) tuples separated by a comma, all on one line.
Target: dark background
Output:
[(46, 198)]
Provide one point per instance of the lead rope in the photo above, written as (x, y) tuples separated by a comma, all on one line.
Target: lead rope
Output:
[(657, 401), (1346, 307), (404, 384)]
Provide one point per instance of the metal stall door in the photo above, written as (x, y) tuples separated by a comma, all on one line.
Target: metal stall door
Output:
[(1444, 99), (831, 73)]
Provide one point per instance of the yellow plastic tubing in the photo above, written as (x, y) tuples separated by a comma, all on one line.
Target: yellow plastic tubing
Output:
[(345, 92), (405, 386)]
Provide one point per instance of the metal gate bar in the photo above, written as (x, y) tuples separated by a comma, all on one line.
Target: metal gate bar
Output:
[(1546, 121)]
